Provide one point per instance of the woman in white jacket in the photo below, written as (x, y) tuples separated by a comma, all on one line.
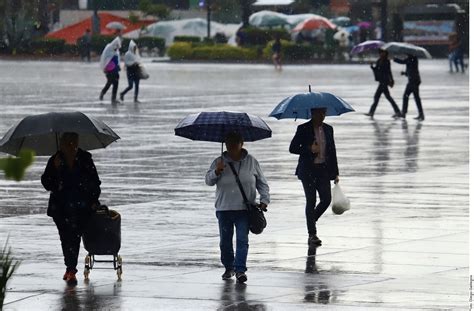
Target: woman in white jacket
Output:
[(132, 63), (231, 211)]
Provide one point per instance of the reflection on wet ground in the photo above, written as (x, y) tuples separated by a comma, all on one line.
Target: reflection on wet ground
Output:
[(403, 244)]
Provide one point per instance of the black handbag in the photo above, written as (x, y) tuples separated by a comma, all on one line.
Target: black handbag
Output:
[(257, 221)]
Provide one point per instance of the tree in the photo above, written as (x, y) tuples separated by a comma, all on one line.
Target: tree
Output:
[(160, 11), (246, 7)]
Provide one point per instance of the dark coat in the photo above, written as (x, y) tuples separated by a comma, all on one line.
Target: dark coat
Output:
[(301, 144), (411, 71), (382, 71), (88, 184)]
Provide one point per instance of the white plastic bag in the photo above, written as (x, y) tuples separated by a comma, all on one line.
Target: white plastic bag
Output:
[(340, 203)]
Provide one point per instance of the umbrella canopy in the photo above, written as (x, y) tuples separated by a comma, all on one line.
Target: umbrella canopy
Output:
[(41, 133), (267, 19), (367, 46), (365, 25), (214, 126), (342, 21), (315, 23), (351, 29), (115, 26), (406, 48), (300, 105), (295, 19)]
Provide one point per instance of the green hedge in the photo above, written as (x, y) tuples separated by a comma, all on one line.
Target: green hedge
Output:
[(50, 46), (98, 42), (186, 51), (292, 51), (151, 43), (180, 51), (193, 39), (258, 36)]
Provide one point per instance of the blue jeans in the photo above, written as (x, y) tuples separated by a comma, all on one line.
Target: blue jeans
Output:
[(227, 221)]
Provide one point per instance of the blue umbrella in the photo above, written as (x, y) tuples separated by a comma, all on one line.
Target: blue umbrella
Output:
[(300, 105), (214, 126)]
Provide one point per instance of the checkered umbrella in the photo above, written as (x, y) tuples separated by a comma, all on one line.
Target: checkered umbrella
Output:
[(214, 126)]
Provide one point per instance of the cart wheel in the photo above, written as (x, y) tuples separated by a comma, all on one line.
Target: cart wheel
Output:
[(119, 268)]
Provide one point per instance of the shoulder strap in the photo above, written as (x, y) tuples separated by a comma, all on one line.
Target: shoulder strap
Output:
[(237, 179)]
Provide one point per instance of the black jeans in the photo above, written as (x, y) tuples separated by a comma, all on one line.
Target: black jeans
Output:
[(383, 89), (112, 79), (319, 184), (415, 89), (131, 80), (70, 227)]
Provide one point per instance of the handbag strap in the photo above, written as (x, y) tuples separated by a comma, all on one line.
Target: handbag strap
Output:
[(237, 179)]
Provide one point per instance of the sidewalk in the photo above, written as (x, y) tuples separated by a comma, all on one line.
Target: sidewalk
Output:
[(402, 246)]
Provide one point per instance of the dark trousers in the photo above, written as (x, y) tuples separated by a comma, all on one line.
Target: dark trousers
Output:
[(415, 89), (319, 184), (70, 227), (131, 81), (227, 221), (383, 89), (112, 79)]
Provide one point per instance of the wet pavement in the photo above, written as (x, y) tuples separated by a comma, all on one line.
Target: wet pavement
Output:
[(403, 244)]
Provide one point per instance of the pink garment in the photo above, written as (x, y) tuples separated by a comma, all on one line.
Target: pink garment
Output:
[(110, 66)]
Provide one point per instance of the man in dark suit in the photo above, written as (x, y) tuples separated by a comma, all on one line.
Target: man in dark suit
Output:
[(413, 85), (383, 74), (317, 166)]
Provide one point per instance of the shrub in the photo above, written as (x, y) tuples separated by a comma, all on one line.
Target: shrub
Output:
[(98, 42), (180, 51), (292, 51), (47, 46), (71, 49), (7, 267), (258, 36), (151, 43), (193, 39)]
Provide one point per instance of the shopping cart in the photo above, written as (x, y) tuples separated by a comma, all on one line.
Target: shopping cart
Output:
[(102, 237)]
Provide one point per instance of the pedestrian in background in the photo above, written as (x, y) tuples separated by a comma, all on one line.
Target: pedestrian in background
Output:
[(317, 166), (110, 64), (72, 179), (383, 74), (231, 210), (276, 56), (413, 85)]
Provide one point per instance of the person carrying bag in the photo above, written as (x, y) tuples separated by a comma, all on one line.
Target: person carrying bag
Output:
[(231, 211)]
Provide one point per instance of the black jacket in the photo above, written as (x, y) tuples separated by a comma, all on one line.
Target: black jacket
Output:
[(411, 71), (88, 184), (301, 144), (382, 71)]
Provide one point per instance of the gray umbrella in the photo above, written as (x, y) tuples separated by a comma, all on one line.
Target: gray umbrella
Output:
[(406, 48), (41, 133)]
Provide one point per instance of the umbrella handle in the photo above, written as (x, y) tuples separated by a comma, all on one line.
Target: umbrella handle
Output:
[(309, 88)]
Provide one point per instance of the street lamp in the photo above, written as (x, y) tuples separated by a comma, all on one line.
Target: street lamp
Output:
[(207, 4)]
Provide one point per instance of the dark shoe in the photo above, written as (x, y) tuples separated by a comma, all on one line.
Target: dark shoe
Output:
[(101, 96), (65, 275), (228, 274), (241, 277), (121, 96), (71, 278), (313, 240), (397, 115), (369, 114), (116, 102), (420, 118), (136, 101)]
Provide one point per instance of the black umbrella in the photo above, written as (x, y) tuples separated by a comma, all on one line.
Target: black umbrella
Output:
[(41, 133)]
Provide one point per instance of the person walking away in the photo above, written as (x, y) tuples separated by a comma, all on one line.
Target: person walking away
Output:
[(452, 48), (132, 63), (86, 45), (276, 56), (231, 210), (317, 166), (71, 178), (110, 64), (413, 85), (383, 74), (459, 54)]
